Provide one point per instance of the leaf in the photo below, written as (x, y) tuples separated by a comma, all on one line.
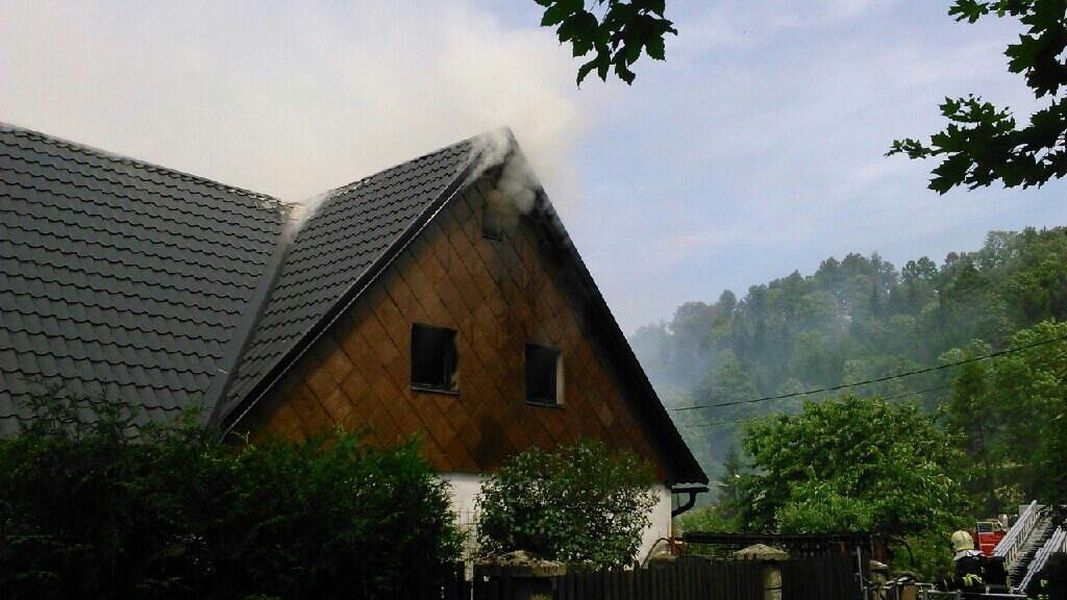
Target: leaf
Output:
[(655, 49), (585, 69), (554, 15)]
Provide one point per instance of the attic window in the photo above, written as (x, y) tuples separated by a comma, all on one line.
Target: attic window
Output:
[(433, 359), (544, 375)]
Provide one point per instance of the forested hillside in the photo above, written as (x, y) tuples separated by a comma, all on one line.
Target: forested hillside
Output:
[(858, 320)]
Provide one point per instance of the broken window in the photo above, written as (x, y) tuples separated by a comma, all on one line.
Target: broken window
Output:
[(433, 358), (544, 375)]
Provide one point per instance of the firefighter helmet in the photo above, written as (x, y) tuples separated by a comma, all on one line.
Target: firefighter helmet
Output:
[(961, 540)]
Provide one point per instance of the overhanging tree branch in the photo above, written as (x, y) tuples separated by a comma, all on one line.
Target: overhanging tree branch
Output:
[(982, 143)]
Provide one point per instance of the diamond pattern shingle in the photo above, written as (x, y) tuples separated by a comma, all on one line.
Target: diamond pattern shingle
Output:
[(120, 277), (335, 248)]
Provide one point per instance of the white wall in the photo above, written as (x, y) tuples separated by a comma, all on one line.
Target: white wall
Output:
[(465, 489), (661, 522)]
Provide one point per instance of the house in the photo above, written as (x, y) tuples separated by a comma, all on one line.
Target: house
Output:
[(441, 297)]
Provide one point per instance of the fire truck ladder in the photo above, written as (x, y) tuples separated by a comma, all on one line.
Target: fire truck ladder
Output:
[(1026, 546)]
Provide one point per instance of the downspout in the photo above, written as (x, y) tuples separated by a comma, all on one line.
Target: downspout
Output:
[(691, 491)]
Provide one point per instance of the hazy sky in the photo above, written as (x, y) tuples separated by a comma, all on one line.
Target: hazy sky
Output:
[(753, 151)]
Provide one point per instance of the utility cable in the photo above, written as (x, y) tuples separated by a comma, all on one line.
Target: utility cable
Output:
[(845, 386), (740, 421)]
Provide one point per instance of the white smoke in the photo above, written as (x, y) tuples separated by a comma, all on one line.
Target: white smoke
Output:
[(513, 186), (303, 211), (304, 97)]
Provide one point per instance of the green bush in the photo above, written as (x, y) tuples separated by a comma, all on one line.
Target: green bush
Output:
[(582, 505), (88, 509), (707, 519)]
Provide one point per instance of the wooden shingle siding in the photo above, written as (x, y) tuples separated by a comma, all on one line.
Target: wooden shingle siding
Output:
[(498, 295)]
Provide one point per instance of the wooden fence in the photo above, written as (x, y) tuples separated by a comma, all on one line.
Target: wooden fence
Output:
[(685, 580), (447, 582), (827, 577), (819, 577), (693, 578)]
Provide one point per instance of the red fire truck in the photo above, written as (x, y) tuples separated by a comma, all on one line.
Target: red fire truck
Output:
[(989, 535)]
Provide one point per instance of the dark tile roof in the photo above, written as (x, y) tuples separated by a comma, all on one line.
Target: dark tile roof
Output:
[(121, 277), (345, 242)]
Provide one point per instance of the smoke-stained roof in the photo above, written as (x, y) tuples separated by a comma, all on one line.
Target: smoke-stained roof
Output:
[(120, 277)]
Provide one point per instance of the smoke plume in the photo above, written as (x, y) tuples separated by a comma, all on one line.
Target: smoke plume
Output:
[(513, 186)]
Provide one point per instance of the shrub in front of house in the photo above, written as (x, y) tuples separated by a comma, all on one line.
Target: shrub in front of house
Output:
[(583, 505), (90, 510)]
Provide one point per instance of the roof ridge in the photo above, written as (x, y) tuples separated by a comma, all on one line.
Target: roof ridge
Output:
[(285, 207), (126, 160), (426, 155)]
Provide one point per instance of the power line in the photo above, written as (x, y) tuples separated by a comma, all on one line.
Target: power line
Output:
[(845, 386), (740, 421)]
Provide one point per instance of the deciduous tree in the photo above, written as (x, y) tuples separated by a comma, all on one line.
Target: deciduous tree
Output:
[(852, 464), (582, 505)]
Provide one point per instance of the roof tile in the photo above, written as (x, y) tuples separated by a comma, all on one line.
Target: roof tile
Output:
[(120, 272), (325, 260)]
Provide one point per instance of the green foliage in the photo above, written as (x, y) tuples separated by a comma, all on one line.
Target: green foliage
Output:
[(854, 319), (1013, 414), (968, 412), (851, 465), (616, 38), (709, 519), (926, 554), (724, 516), (581, 504), (982, 143), (89, 507)]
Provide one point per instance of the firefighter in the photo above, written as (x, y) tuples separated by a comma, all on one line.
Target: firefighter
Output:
[(969, 567)]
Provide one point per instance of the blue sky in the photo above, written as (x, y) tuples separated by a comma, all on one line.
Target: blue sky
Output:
[(753, 151)]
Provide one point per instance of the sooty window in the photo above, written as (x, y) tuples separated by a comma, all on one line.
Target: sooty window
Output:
[(433, 359), (544, 375)]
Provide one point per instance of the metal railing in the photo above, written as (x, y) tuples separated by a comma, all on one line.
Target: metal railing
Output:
[(927, 592)]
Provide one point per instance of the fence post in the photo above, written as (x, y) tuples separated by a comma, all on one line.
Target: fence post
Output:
[(772, 559), (531, 577)]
